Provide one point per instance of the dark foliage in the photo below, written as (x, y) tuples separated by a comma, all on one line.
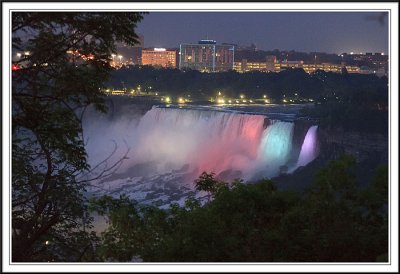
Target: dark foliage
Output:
[(254, 84), (332, 221)]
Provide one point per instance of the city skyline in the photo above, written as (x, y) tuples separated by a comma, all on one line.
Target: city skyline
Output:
[(331, 32)]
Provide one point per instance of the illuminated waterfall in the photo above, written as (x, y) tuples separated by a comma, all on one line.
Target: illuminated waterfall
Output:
[(213, 141), (275, 147), (207, 140), (309, 148), (168, 139)]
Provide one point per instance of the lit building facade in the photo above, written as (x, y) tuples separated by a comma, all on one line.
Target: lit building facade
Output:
[(206, 56), (328, 67), (279, 66), (244, 65), (159, 57), (272, 65)]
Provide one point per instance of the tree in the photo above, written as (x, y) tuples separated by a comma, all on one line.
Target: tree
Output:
[(207, 182), (134, 232), (338, 220), (65, 60), (119, 241)]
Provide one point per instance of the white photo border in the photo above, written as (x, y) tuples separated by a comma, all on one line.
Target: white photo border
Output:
[(393, 24)]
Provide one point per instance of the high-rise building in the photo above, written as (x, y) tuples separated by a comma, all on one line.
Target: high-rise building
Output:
[(206, 56), (159, 57)]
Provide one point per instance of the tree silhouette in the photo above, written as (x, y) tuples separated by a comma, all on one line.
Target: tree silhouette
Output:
[(66, 60)]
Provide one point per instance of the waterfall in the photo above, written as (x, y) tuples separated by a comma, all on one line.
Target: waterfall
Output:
[(168, 139), (207, 140), (309, 148), (275, 147)]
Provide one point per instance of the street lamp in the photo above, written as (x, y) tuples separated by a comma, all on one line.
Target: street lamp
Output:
[(19, 55), (120, 59)]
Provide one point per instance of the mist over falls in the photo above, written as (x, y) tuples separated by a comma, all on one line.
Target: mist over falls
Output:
[(174, 145)]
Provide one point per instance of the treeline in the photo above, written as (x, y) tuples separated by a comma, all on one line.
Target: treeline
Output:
[(292, 83), (332, 221), (355, 103)]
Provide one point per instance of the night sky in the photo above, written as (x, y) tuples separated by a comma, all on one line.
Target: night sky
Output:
[(332, 32)]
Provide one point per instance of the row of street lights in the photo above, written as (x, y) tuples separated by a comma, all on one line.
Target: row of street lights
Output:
[(221, 100)]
